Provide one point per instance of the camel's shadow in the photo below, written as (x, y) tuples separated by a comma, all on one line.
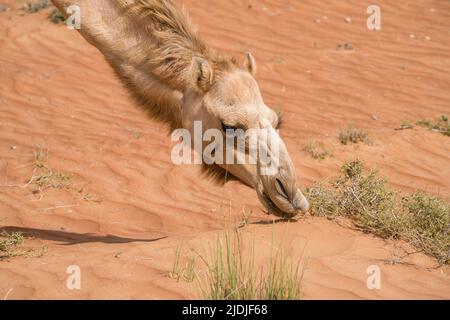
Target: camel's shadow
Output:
[(71, 238)]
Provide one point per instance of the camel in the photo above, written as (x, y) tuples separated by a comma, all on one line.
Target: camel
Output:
[(159, 57)]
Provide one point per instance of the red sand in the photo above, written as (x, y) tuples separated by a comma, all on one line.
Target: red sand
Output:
[(57, 91)]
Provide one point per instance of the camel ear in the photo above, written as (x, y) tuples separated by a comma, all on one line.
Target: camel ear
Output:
[(250, 64), (203, 73)]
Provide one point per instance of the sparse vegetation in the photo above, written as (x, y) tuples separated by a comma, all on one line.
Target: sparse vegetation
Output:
[(8, 243), (232, 274), (38, 252), (441, 125), (317, 150), (186, 271), (36, 6), (421, 220), (429, 224), (405, 125), (56, 16), (43, 176), (352, 135), (244, 220)]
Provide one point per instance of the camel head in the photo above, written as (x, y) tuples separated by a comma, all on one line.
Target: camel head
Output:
[(158, 56), (226, 97)]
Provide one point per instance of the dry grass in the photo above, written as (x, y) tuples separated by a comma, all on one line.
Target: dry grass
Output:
[(56, 16), (232, 274), (244, 219), (43, 176), (10, 241), (405, 125), (317, 150), (352, 135), (441, 125), (38, 252), (36, 6), (429, 224), (183, 271), (8, 244), (420, 219)]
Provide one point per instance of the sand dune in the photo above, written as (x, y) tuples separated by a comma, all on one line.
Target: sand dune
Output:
[(128, 207)]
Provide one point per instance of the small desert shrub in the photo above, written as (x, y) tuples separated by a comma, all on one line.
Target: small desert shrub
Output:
[(419, 219), (317, 150), (8, 242), (429, 224), (43, 176), (56, 16), (441, 125), (352, 135), (232, 275), (36, 6)]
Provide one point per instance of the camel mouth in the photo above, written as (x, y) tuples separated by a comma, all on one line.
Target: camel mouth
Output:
[(273, 209)]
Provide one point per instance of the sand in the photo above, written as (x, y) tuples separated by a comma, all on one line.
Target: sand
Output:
[(128, 207)]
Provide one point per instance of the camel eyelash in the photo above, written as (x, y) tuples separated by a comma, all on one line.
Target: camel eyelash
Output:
[(226, 127), (234, 127)]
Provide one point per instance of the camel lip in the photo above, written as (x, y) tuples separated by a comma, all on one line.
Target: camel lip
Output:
[(273, 209)]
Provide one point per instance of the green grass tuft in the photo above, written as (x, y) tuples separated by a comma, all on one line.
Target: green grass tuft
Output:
[(421, 220), (232, 275), (185, 272)]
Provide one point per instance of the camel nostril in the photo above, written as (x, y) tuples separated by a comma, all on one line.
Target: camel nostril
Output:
[(281, 189)]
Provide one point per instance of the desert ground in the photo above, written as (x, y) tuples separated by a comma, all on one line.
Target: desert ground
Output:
[(128, 208)]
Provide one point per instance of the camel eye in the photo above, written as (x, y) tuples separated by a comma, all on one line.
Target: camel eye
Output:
[(226, 127)]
